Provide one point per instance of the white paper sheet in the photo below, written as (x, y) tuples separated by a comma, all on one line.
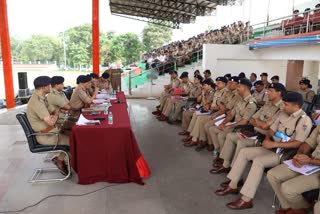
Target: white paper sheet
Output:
[(305, 169), (217, 123), (82, 121), (219, 117), (99, 101)]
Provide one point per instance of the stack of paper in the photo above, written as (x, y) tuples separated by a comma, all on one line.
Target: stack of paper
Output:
[(83, 121), (305, 169), (99, 101), (222, 116)]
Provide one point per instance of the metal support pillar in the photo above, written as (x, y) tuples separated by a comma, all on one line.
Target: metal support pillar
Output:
[(95, 37)]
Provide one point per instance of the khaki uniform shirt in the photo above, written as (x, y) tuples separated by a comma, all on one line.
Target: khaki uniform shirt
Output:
[(175, 83), (56, 100), (106, 85), (219, 97), (244, 109), (260, 96), (287, 124), (186, 87), (37, 110), (307, 95), (267, 113), (79, 98), (314, 142), (195, 91), (231, 98), (209, 96)]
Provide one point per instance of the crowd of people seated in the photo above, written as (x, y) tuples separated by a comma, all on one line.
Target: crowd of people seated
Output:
[(49, 110), (298, 24), (183, 52), (244, 121)]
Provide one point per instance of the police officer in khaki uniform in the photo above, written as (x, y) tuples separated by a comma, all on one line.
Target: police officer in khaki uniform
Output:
[(305, 90), (221, 89), (185, 87), (242, 112), (205, 99), (231, 98), (259, 93), (261, 121), (58, 101), (80, 97), (289, 185), (293, 124), (206, 103), (104, 82), (43, 123), (174, 83), (192, 100), (264, 79), (94, 82)]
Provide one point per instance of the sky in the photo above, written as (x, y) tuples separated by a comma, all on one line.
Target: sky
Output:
[(27, 17)]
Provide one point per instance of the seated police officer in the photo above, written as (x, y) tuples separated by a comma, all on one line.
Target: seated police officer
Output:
[(291, 128), (42, 121), (57, 100), (261, 121), (80, 97), (289, 185)]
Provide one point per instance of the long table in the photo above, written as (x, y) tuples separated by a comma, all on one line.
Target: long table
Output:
[(108, 153)]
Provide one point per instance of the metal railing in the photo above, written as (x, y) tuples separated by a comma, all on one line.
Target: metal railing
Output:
[(291, 24)]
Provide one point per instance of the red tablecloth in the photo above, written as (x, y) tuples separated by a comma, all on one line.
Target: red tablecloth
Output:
[(108, 153)]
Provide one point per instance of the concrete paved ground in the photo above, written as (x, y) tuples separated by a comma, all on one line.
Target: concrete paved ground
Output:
[(180, 181)]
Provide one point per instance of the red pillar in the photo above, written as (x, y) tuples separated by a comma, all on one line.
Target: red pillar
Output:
[(95, 37), (6, 54)]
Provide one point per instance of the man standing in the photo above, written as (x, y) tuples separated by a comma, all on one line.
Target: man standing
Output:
[(293, 125), (241, 113), (42, 121)]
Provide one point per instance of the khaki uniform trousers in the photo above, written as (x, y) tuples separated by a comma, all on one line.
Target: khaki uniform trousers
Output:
[(289, 186), (167, 107), (163, 99), (199, 124), (218, 136), (232, 146), (262, 158), (186, 118), (53, 139), (317, 208), (205, 131), (178, 105), (193, 122)]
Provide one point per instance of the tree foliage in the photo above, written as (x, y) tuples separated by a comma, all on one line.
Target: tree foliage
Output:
[(155, 36), (78, 43)]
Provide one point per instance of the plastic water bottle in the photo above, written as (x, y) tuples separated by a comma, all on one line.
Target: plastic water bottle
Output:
[(105, 111), (118, 89), (110, 118)]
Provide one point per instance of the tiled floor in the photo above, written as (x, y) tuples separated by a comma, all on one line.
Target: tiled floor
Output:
[(180, 181)]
